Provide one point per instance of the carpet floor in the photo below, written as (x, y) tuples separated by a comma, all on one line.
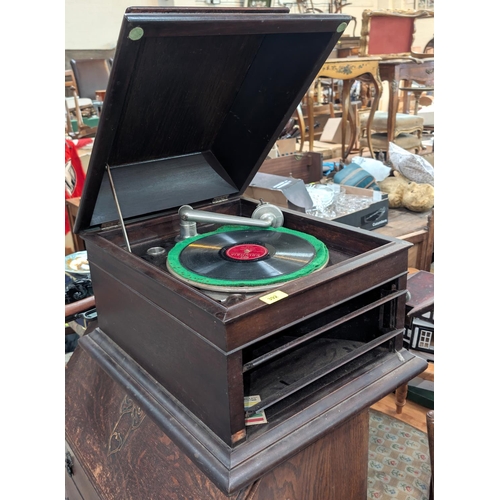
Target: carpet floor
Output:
[(398, 460)]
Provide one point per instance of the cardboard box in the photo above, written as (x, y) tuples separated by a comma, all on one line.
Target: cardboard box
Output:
[(333, 131), (328, 150), (282, 191), (292, 193), (286, 147), (373, 217)]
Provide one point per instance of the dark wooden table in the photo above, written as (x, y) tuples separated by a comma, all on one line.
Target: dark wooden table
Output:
[(415, 227), (406, 70)]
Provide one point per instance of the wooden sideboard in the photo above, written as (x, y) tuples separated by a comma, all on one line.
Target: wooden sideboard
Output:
[(416, 228)]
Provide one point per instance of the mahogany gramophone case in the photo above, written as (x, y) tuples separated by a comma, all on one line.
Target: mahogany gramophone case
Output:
[(194, 317)]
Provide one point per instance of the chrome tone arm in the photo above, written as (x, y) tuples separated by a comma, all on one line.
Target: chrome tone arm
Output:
[(265, 215)]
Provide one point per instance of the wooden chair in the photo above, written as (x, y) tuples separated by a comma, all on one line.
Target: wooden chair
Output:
[(401, 24), (69, 82), (380, 143), (81, 119), (306, 116), (90, 75), (406, 130)]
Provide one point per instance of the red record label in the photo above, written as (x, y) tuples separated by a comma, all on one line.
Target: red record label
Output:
[(246, 251)]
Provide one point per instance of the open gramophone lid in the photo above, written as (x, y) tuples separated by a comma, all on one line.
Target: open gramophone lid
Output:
[(194, 103)]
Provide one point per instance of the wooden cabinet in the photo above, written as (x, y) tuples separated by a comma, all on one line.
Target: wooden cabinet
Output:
[(132, 458)]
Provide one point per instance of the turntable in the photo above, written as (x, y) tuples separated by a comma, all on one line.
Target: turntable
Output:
[(205, 298)]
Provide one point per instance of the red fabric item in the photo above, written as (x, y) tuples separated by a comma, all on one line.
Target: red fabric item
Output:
[(390, 35), (74, 173), (81, 143)]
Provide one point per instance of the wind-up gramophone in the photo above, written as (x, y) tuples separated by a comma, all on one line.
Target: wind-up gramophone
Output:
[(305, 314)]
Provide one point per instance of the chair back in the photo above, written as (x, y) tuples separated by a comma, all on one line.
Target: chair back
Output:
[(70, 83), (376, 24), (75, 107), (306, 120), (90, 75)]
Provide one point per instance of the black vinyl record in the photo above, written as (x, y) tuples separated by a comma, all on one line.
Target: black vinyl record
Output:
[(246, 259), (247, 255)]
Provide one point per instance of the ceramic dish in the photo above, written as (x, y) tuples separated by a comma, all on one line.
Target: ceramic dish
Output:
[(77, 263)]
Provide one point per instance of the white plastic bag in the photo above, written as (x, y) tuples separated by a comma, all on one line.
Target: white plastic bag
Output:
[(374, 167), (413, 167)]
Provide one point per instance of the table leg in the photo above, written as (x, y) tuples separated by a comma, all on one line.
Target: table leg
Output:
[(377, 82), (347, 115), (310, 112), (393, 108), (406, 97), (418, 94), (401, 394)]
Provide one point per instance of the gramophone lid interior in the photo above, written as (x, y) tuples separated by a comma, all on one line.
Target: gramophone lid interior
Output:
[(195, 102)]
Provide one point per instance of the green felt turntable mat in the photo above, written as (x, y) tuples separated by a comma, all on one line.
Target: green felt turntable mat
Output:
[(319, 260)]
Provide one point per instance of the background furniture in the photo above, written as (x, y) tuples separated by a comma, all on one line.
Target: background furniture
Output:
[(420, 312), (72, 205), (69, 83), (81, 119), (407, 132), (347, 46), (417, 228), (401, 24), (417, 91), (404, 71), (399, 63), (307, 166), (401, 392), (306, 116), (90, 75), (348, 70), (420, 304), (86, 81)]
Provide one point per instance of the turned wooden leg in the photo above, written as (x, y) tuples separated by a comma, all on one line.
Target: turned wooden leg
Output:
[(377, 82), (401, 393), (418, 94), (347, 115)]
